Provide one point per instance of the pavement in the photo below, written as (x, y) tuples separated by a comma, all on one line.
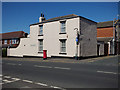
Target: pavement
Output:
[(60, 74), (62, 60)]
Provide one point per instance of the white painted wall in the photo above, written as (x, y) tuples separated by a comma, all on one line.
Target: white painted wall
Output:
[(51, 39), (29, 46)]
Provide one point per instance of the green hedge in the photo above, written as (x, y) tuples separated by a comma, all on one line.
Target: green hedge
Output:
[(4, 52)]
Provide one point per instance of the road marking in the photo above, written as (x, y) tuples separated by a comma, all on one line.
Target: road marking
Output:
[(16, 79), (90, 61), (62, 68), (55, 87), (7, 81), (52, 67), (1, 75), (25, 87), (11, 64), (42, 84), (0, 78), (106, 72), (27, 81), (19, 64), (42, 66), (7, 77)]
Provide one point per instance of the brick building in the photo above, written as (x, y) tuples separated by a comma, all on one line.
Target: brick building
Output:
[(58, 36), (108, 38), (11, 39)]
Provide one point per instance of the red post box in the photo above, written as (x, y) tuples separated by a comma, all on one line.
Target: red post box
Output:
[(44, 54)]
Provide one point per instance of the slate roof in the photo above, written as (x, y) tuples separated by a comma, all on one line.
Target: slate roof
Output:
[(105, 24), (71, 15), (10, 35), (105, 29), (60, 18)]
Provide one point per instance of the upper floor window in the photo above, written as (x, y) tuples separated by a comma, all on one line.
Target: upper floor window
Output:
[(5, 41), (41, 30), (63, 27)]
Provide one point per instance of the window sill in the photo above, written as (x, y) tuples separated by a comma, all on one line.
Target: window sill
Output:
[(40, 52), (62, 33), (63, 53), (40, 35)]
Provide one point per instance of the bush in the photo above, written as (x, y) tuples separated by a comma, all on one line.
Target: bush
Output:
[(4, 52)]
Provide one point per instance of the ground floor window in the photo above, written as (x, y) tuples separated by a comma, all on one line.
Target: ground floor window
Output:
[(62, 46), (41, 45), (14, 41), (5, 41)]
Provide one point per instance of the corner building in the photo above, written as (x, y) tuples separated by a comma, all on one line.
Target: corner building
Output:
[(58, 36)]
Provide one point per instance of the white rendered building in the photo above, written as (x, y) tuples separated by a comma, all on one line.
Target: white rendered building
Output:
[(58, 37)]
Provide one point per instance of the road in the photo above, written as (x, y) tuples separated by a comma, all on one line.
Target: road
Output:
[(101, 73)]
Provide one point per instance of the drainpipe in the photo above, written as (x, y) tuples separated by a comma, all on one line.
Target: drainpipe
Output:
[(77, 41), (113, 38)]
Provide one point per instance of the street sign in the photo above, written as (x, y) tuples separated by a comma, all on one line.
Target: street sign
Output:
[(76, 39)]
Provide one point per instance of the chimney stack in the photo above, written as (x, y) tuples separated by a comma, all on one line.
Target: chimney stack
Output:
[(41, 18)]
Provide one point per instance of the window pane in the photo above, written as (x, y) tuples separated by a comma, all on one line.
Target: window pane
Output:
[(63, 45), (63, 30), (17, 41), (41, 45), (13, 41), (5, 41), (40, 48), (63, 49), (63, 27), (41, 42), (41, 27), (41, 30)]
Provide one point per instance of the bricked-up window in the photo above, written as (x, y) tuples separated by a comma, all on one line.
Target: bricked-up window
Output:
[(41, 45), (5, 41), (63, 27), (41, 30), (62, 46)]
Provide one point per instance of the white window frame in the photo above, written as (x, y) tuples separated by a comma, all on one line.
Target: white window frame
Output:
[(10, 41), (13, 41), (5, 41), (40, 29), (63, 46), (40, 45), (62, 26)]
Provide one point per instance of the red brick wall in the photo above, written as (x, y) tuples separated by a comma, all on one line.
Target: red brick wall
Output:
[(2, 41), (8, 41)]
